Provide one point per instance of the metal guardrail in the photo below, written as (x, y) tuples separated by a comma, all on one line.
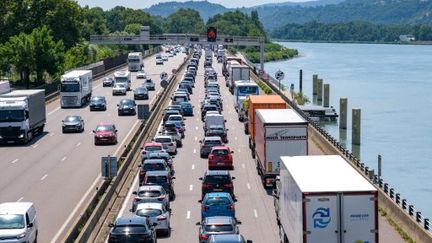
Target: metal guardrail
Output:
[(394, 196)]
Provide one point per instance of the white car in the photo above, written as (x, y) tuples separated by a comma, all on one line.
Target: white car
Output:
[(165, 58), (149, 84), (156, 213), (159, 61), (119, 89), (141, 74), (168, 143)]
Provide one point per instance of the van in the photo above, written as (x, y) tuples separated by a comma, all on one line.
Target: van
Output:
[(18, 222), (178, 98)]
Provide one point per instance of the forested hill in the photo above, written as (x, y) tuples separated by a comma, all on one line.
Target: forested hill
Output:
[(205, 9)]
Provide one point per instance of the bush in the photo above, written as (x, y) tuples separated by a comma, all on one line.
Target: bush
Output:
[(265, 88)]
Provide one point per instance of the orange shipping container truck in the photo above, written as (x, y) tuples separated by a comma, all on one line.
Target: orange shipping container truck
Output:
[(261, 102)]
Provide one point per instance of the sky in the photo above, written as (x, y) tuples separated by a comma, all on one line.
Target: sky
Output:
[(108, 4)]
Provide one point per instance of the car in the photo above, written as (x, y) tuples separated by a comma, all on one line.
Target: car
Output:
[(162, 155), (168, 113), (217, 225), (141, 74), (150, 84), (73, 124), (162, 178), (169, 144), (207, 144), (217, 131), (151, 165), (151, 147), (97, 103), (184, 88), (105, 133), (132, 229), (217, 181), (141, 93), (217, 204), (170, 54), (174, 107), (119, 89), (159, 61), (176, 118), (165, 58), (208, 107), (157, 214), (18, 222), (187, 108), (173, 133), (108, 82), (220, 157), (126, 107), (228, 238), (150, 193)]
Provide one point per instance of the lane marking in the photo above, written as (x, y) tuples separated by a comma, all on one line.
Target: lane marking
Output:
[(197, 119), (255, 213), (90, 132), (64, 158), (235, 138), (78, 144), (190, 187), (194, 151), (244, 166), (44, 177), (14, 161), (196, 128), (53, 111), (193, 167), (52, 134), (20, 199), (248, 186), (238, 150), (188, 215), (35, 145), (196, 138)]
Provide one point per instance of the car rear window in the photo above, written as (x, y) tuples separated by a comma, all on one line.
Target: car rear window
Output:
[(215, 201), (152, 193), (212, 142), (153, 148), (130, 229), (219, 228), (153, 166), (149, 212), (220, 152), (156, 179), (163, 140), (216, 179)]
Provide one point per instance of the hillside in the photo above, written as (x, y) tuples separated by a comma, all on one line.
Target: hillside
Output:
[(206, 9)]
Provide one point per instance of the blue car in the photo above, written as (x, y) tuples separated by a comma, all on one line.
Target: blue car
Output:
[(217, 204), (187, 108)]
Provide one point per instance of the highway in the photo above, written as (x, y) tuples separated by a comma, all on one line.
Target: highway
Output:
[(58, 172), (255, 204)]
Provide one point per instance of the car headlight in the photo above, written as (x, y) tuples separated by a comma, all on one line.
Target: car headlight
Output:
[(21, 136), (20, 236)]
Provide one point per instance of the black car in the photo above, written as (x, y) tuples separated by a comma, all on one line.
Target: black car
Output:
[(98, 103), (132, 229), (217, 181), (141, 93), (72, 124), (126, 107)]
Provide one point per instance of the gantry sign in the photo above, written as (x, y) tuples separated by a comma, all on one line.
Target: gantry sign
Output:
[(183, 39)]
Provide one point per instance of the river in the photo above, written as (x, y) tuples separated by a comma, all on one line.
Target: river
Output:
[(392, 84)]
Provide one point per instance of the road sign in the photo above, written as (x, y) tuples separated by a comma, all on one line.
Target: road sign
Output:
[(143, 111), (279, 75), (164, 75), (109, 166), (164, 83)]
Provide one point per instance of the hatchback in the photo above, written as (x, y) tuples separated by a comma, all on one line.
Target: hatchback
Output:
[(169, 144), (217, 181), (126, 107), (162, 178), (207, 144), (151, 147), (152, 165), (73, 124), (97, 103), (149, 84), (132, 229), (105, 133), (150, 193), (217, 225), (108, 82), (187, 108), (141, 93), (157, 214), (217, 204), (220, 157)]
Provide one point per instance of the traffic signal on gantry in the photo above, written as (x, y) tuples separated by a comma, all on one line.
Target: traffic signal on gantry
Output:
[(211, 34)]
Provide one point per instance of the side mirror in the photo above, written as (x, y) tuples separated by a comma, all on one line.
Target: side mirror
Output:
[(200, 201), (30, 225), (239, 222), (173, 177), (232, 152), (111, 225), (200, 178), (198, 223), (94, 131), (233, 178), (134, 192), (235, 200), (249, 241), (116, 130)]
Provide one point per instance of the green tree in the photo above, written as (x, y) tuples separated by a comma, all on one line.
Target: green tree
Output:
[(133, 29), (94, 22), (18, 51), (184, 21)]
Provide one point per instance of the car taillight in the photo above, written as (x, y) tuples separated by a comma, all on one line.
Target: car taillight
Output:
[(210, 157), (161, 198), (161, 217), (206, 186), (232, 207), (137, 199), (142, 173), (171, 144), (269, 181), (205, 207), (203, 237), (228, 185)]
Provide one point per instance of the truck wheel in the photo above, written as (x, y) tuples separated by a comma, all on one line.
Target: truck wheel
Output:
[(253, 154)]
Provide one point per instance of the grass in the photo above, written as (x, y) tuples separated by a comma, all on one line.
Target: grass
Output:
[(264, 87), (272, 52)]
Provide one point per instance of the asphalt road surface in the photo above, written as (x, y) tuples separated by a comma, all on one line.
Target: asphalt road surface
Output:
[(57, 172)]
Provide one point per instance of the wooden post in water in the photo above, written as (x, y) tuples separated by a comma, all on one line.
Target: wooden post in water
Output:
[(343, 109), (326, 95), (319, 91), (314, 88), (356, 125), (301, 81)]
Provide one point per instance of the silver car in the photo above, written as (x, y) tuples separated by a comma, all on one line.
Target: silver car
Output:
[(72, 124), (174, 134), (149, 84), (217, 225), (141, 74), (119, 89), (108, 82), (156, 213), (169, 144), (150, 194)]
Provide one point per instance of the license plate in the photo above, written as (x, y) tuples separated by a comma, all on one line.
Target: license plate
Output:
[(220, 163), (217, 190)]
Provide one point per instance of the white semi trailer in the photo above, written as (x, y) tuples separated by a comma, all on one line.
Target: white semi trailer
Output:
[(75, 88)]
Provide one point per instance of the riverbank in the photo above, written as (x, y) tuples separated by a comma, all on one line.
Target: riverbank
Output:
[(272, 52), (357, 42)]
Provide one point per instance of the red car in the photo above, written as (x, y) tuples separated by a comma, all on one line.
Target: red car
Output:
[(220, 157), (105, 133)]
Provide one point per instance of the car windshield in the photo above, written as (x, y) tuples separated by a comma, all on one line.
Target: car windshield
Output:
[(72, 119), (12, 115), (217, 179), (103, 128), (97, 99), (220, 152), (216, 201), (219, 228), (70, 87), (210, 108), (175, 118), (119, 86), (141, 90), (126, 102), (248, 89), (149, 212), (149, 193), (156, 179), (153, 166), (149, 81), (185, 105), (212, 142), (11, 221), (163, 140), (130, 230), (153, 148)]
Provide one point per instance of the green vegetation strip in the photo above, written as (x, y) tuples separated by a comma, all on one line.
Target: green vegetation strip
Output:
[(400, 231), (264, 87)]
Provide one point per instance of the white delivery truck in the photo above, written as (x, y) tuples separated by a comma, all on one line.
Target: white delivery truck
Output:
[(278, 132), (324, 199), (75, 88), (4, 87), (237, 72), (135, 61), (22, 115), (123, 77)]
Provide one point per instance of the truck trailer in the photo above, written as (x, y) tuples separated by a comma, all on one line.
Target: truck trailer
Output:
[(324, 199), (278, 132), (75, 88), (135, 61), (237, 72), (5, 87), (22, 115)]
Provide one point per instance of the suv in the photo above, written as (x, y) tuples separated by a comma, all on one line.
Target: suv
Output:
[(126, 106), (217, 181), (162, 178), (150, 193), (207, 144), (217, 131), (132, 229), (169, 144), (220, 157)]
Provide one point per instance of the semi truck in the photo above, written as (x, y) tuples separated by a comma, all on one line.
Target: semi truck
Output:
[(123, 77), (236, 72), (278, 132), (228, 61), (324, 199), (242, 89), (135, 61), (4, 87), (75, 88), (260, 102), (22, 115)]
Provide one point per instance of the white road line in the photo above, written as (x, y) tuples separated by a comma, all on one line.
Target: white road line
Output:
[(196, 138), (255, 213), (90, 132), (14, 161), (188, 215), (248, 186), (129, 194), (235, 138), (197, 119), (190, 187), (52, 134), (44, 177), (64, 158), (20, 199), (78, 144), (244, 166), (35, 145), (193, 167), (194, 151), (196, 128), (238, 150), (53, 111)]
